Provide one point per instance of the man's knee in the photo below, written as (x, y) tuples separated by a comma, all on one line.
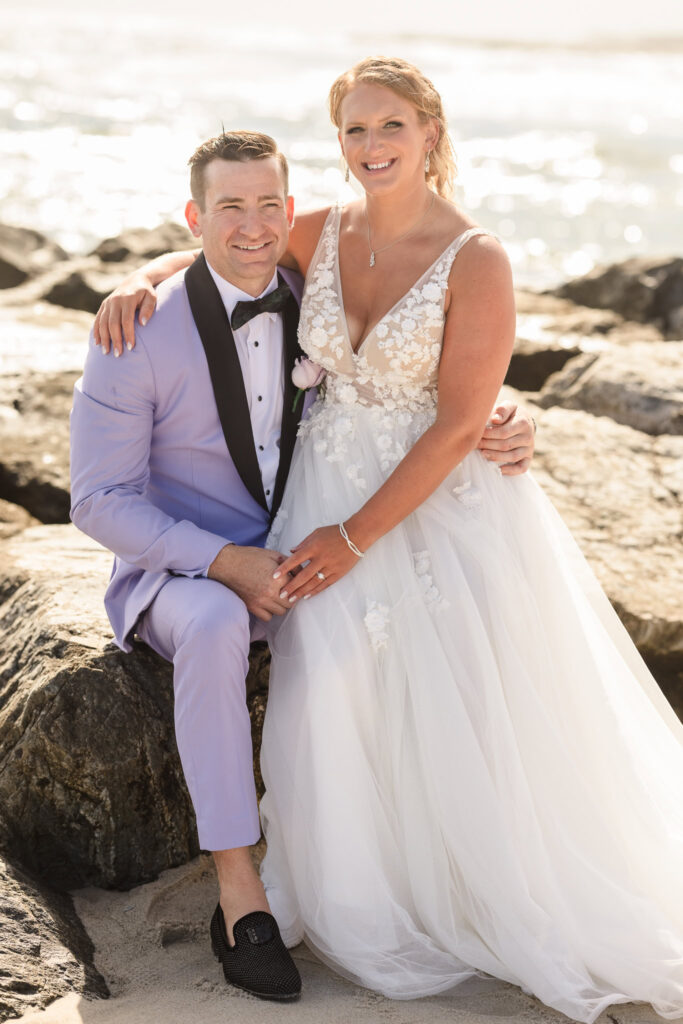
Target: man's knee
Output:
[(217, 618), (187, 613)]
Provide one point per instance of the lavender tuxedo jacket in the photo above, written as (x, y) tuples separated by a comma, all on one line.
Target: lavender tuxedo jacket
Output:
[(163, 463)]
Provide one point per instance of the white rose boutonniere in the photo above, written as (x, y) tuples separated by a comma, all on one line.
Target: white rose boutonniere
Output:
[(306, 374)]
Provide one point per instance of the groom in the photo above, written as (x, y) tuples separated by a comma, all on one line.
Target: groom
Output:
[(180, 453)]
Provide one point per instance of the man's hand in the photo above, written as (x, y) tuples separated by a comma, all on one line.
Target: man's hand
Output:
[(115, 320), (249, 572), (509, 439)]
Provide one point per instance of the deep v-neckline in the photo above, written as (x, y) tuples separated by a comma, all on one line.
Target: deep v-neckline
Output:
[(355, 352)]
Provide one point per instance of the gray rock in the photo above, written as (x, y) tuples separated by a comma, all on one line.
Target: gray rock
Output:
[(145, 243), (620, 492), (532, 363), (14, 519), (83, 284), (643, 289), (34, 442), (24, 254), (90, 781), (45, 952), (546, 318), (640, 386)]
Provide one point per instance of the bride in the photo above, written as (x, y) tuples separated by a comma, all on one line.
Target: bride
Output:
[(468, 767)]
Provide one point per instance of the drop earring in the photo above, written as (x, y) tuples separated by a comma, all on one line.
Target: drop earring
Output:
[(346, 173), (427, 163)]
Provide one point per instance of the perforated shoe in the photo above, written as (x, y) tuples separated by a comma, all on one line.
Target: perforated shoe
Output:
[(259, 962)]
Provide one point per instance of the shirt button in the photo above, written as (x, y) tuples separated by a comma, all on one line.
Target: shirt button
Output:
[(260, 447), (256, 344), (268, 491), (260, 398)]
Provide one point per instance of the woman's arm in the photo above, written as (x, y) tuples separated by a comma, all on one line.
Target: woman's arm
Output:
[(303, 239), (478, 338), (115, 320)]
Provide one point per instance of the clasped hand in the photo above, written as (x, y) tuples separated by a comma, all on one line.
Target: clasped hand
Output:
[(315, 563)]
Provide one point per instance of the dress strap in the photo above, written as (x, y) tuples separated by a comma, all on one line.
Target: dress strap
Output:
[(464, 238), (331, 224)]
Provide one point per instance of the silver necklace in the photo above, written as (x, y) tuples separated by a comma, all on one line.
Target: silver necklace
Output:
[(423, 218)]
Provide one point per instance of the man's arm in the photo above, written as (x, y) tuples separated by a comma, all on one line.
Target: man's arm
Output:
[(111, 432)]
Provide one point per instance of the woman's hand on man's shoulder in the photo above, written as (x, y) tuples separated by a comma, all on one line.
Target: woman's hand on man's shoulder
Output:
[(115, 321)]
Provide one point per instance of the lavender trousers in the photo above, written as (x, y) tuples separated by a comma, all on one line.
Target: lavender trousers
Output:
[(205, 630)]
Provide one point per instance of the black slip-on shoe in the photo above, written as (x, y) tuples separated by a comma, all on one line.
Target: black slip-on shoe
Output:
[(259, 962)]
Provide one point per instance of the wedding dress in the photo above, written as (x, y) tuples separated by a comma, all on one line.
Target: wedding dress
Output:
[(468, 767)]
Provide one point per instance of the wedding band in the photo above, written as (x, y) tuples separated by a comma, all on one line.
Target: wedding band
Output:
[(320, 575)]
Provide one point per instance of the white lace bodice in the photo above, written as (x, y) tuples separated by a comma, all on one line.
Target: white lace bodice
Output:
[(397, 362), (385, 392)]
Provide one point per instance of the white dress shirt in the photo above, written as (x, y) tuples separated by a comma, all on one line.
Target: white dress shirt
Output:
[(260, 350)]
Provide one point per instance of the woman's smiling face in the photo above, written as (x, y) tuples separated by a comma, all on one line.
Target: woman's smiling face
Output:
[(382, 137)]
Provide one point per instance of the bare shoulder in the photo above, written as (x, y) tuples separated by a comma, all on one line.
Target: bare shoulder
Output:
[(303, 238), (481, 264)]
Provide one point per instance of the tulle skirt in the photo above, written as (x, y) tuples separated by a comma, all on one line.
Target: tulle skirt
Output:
[(469, 768)]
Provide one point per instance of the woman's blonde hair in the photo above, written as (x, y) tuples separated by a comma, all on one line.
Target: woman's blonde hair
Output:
[(407, 81)]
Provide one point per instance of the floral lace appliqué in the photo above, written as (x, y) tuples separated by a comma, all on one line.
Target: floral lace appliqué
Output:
[(430, 592), (276, 528), (468, 495), (398, 360), (391, 379), (376, 621)]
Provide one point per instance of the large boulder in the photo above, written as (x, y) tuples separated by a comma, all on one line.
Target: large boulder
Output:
[(532, 363), (619, 491), (551, 331), (44, 950), (83, 284), (639, 289), (42, 349), (546, 318), (640, 386), (34, 442), (24, 254), (145, 243), (91, 785)]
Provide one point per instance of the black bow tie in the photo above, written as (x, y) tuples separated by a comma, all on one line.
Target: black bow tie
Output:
[(273, 302)]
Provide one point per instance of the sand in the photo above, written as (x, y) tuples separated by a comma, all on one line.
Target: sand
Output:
[(153, 949)]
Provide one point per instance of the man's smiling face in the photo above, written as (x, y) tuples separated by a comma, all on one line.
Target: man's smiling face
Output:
[(244, 220)]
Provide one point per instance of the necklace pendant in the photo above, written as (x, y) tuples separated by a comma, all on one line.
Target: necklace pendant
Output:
[(372, 258)]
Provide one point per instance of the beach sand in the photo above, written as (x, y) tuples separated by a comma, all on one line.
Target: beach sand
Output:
[(153, 949)]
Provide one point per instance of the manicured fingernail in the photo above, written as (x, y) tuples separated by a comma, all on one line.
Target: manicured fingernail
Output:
[(488, 425), (276, 575), (143, 320), (129, 346), (116, 353), (306, 597), (283, 594), (293, 599)]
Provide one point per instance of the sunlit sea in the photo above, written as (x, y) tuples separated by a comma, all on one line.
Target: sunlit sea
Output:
[(574, 156)]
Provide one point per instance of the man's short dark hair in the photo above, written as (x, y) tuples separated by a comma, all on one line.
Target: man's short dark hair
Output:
[(240, 146)]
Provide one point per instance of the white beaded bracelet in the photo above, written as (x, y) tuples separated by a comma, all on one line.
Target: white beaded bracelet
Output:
[(356, 551)]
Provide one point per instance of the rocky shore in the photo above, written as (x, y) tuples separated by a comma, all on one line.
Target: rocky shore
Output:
[(91, 791)]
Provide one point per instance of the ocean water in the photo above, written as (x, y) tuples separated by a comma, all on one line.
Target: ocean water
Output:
[(572, 153)]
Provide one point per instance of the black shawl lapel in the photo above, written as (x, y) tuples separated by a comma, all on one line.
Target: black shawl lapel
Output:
[(290, 420), (214, 329)]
